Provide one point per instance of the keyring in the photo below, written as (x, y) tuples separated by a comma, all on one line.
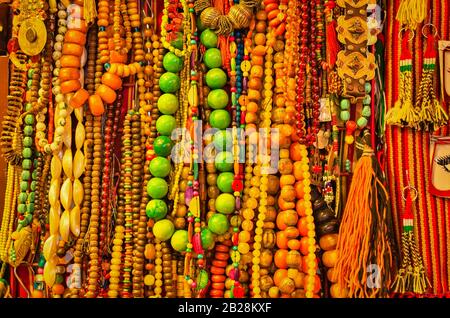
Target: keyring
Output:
[(432, 26), (409, 187), (405, 29)]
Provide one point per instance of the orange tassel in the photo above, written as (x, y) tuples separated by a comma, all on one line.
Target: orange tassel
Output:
[(332, 43)]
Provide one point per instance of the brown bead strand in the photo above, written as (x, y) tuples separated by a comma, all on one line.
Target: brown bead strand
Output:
[(126, 174), (94, 265), (136, 185), (167, 270)]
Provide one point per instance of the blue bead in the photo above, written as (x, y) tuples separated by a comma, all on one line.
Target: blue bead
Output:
[(107, 66), (136, 30), (102, 28)]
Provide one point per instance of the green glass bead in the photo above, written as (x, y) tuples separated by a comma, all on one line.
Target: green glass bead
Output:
[(235, 247), (160, 167), (213, 58), (168, 104), (197, 220), (218, 99), (163, 229), (23, 197), (207, 238), (156, 209), (223, 139), (34, 174), (220, 119), (169, 82), (29, 119), (157, 188), (367, 87), (27, 153), (367, 99), (21, 208), (344, 115), (28, 107), (30, 208), (216, 78), (33, 185), (209, 38), (27, 141), (180, 240), (26, 175), (29, 83), (162, 146), (41, 262), (30, 72), (165, 124), (28, 130), (172, 63), (23, 186), (178, 42), (366, 111), (31, 197), (218, 223), (224, 161), (361, 122), (224, 182), (26, 164), (344, 104)]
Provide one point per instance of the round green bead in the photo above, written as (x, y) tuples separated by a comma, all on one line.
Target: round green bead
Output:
[(156, 209), (207, 238), (367, 99), (27, 141), (216, 78), (26, 164), (165, 124), (223, 139), (31, 197), (218, 223), (213, 58), (162, 146), (160, 167), (168, 104), (26, 175), (344, 104), (23, 197), (29, 119), (225, 203), (33, 185), (34, 174), (361, 122), (23, 186), (224, 182), (28, 107), (169, 82), (224, 161), (345, 115), (157, 188), (28, 130), (218, 99), (22, 208), (367, 88), (27, 153), (209, 38), (30, 208), (179, 240), (172, 63), (366, 111), (220, 119)]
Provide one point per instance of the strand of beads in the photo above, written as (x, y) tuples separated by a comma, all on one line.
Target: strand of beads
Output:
[(88, 151), (120, 230), (136, 191)]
